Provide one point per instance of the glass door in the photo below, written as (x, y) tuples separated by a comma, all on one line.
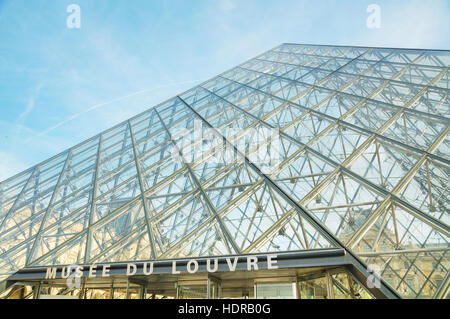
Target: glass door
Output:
[(275, 290)]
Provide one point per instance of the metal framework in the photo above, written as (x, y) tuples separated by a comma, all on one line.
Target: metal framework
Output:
[(365, 166)]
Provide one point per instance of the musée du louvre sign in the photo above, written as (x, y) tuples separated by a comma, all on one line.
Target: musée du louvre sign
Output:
[(175, 267)]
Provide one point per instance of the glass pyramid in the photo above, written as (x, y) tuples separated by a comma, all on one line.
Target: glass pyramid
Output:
[(359, 150)]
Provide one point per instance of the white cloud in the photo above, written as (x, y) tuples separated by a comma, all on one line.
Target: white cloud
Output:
[(9, 165), (227, 5), (31, 101), (111, 102), (416, 25)]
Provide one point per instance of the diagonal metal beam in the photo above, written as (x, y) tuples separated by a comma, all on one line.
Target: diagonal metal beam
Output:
[(49, 207), (383, 290), (225, 233), (141, 187), (87, 249), (342, 167)]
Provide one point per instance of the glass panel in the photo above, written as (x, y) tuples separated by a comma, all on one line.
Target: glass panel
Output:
[(313, 289), (357, 137), (275, 291), (190, 291)]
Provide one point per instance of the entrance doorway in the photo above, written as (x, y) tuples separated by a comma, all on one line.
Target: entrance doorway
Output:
[(301, 283)]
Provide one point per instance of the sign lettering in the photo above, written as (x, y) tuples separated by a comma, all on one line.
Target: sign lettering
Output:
[(191, 266)]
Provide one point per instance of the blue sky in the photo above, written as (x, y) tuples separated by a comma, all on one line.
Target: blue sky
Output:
[(59, 86)]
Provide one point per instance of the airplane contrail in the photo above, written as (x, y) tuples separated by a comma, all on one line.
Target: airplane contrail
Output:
[(96, 106)]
